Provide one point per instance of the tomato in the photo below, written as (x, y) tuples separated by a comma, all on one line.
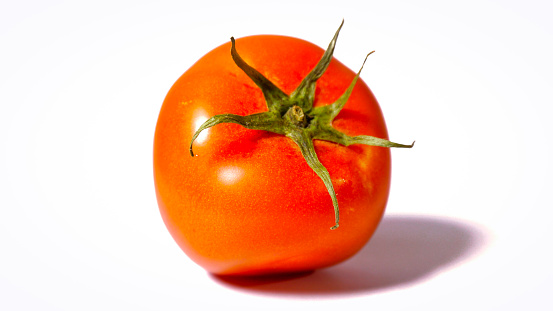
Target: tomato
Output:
[(248, 202)]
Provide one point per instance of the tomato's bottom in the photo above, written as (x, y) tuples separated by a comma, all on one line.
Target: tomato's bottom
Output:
[(259, 279)]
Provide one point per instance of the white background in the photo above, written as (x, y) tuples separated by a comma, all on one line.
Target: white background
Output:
[(468, 225)]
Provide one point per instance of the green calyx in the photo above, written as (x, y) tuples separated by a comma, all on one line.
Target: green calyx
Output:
[(295, 117)]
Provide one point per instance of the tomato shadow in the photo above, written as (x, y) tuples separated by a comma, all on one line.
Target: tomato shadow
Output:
[(403, 251)]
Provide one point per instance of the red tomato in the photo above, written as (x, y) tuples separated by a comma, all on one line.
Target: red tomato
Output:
[(248, 203)]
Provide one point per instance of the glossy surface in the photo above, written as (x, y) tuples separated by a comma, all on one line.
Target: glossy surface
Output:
[(248, 203)]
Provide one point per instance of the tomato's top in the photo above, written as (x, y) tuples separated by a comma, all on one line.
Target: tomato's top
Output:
[(293, 101)]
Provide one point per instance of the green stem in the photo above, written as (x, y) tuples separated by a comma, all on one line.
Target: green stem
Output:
[(267, 121), (295, 117), (305, 142), (273, 95), (306, 89)]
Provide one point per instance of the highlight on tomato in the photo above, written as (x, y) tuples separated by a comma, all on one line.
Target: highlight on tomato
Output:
[(273, 158)]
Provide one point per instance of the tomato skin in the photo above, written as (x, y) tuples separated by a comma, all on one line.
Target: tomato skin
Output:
[(248, 203)]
